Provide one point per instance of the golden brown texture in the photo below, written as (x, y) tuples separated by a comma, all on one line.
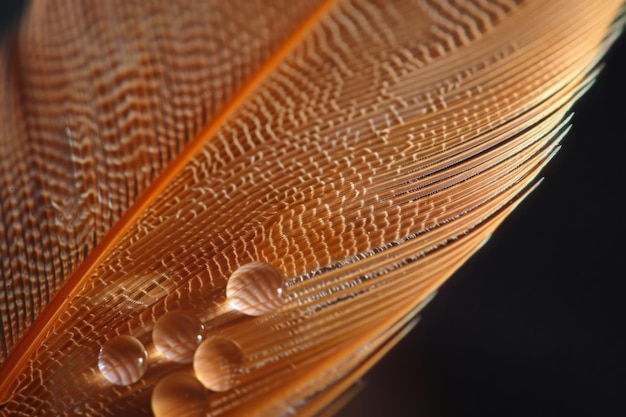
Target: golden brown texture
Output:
[(366, 166), (98, 98)]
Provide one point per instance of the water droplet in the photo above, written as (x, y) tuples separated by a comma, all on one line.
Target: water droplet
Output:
[(123, 360), (179, 395), (176, 335), (255, 288), (217, 363)]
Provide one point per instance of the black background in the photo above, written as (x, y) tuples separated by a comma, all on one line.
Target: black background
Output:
[(533, 324)]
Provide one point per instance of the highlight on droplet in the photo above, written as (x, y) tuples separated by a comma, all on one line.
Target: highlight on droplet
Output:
[(179, 395), (255, 289), (123, 360), (217, 363), (177, 334)]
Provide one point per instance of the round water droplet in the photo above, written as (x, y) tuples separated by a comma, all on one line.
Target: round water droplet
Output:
[(176, 335), (123, 360), (255, 289), (217, 363), (179, 395)]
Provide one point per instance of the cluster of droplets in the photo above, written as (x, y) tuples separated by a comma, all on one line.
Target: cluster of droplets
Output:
[(254, 289)]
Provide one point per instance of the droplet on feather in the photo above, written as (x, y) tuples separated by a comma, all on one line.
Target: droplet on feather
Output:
[(255, 288), (217, 363), (176, 335), (123, 360), (179, 395)]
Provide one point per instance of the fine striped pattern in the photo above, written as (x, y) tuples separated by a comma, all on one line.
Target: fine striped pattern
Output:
[(365, 149), (99, 98)]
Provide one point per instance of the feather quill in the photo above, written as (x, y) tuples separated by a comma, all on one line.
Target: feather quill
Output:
[(363, 149)]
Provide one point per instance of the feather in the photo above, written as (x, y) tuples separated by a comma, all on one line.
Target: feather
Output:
[(360, 150)]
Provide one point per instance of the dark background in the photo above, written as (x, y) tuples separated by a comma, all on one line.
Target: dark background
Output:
[(532, 325)]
